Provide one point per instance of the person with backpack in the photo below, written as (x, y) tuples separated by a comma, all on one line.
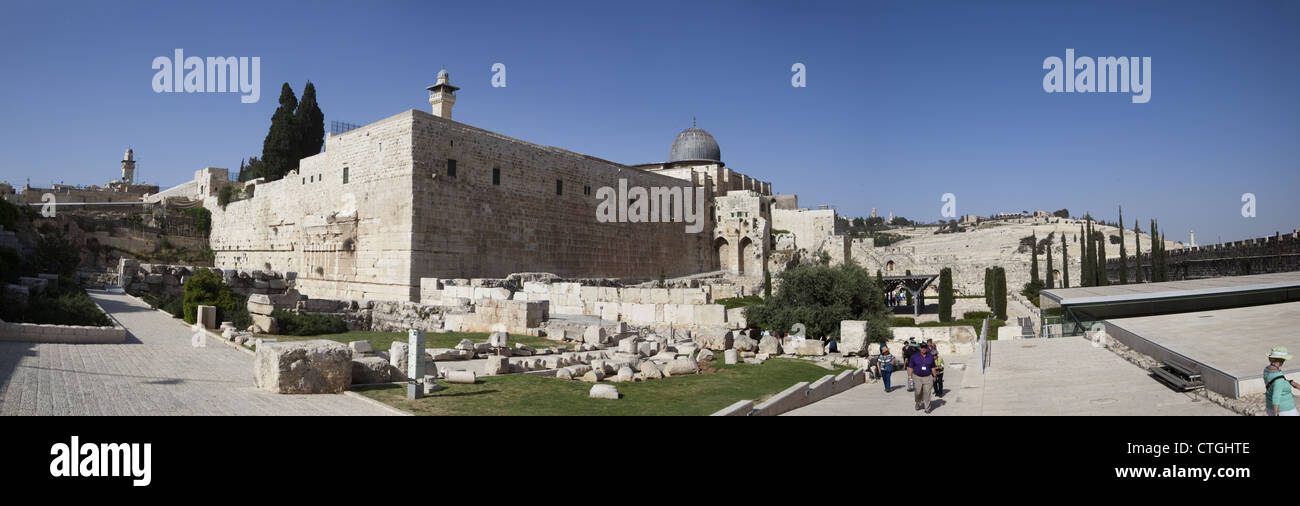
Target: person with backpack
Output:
[(1278, 400)]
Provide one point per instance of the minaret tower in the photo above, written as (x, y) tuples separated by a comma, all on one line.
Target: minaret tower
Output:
[(442, 95), (128, 167)]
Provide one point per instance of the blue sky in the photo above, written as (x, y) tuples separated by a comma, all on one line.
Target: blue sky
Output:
[(905, 101)]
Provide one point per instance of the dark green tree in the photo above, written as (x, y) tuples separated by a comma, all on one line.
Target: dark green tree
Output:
[(1102, 278), (1033, 266), (283, 140), (1000, 293), (1137, 251), (1085, 271), (1065, 262), (1051, 276), (1123, 251), (945, 294), (1155, 252), (820, 296), (310, 122)]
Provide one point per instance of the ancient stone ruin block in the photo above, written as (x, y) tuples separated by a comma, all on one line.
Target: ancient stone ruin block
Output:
[(303, 367)]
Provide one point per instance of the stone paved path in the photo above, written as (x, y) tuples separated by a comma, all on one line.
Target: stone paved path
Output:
[(1063, 376), (156, 372)]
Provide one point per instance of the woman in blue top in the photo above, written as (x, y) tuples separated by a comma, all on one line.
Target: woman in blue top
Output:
[(1277, 399)]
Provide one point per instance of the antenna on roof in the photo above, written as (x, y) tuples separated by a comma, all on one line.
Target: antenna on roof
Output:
[(692, 121)]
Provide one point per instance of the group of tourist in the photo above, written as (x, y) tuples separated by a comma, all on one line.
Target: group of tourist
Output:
[(924, 370), (893, 299)]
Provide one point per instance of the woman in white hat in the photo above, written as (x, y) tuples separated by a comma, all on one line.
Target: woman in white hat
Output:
[(1277, 398)]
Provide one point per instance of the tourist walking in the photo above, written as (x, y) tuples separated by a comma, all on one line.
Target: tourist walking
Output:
[(886, 364), (921, 367), (938, 371), (1278, 400)]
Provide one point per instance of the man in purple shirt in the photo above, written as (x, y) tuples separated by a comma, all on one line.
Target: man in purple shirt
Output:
[(921, 365)]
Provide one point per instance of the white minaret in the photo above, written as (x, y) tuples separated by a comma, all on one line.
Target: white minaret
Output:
[(442, 95), (128, 167), (1193, 238)]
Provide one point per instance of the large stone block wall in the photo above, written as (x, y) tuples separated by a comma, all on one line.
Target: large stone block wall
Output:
[(465, 226), (401, 216), (675, 307), (345, 240)]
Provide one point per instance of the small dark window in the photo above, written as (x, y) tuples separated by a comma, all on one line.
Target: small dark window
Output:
[(559, 187), (345, 175), (451, 168), (304, 180), (586, 189), (496, 176)]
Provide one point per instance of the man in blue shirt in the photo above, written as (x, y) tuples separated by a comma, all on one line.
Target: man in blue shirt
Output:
[(921, 365)]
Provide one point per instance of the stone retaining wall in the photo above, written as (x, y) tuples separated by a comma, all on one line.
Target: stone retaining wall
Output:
[(78, 334)]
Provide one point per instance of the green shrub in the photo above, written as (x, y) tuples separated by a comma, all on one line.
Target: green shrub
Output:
[(308, 324), (63, 303), (9, 215), (10, 265), (224, 196), (206, 288), (975, 315), (202, 218), (904, 321)]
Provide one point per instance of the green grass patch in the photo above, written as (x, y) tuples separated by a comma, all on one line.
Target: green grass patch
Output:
[(382, 341), (903, 321), (520, 394), (735, 302)]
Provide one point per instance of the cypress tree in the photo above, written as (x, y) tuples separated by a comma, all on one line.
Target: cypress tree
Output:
[(945, 294), (1000, 287), (988, 287), (1083, 255), (1033, 268), (280, 149), (1123, 251), (1155, 252), (310, 122), (1065, 263), (1102, 278), (1051, 277), (1090, 258), (1137, 251)]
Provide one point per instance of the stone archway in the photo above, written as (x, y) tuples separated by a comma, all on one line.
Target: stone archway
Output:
[(745, 249), (726, 259), (889, 266)]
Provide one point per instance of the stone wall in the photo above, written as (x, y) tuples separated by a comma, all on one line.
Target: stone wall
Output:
[(43, 333), (674, 307), (541, 217), (401, 215), (1263, 255)]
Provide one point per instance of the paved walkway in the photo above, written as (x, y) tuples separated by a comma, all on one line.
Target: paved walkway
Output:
[(1064, 376), (156, 372)]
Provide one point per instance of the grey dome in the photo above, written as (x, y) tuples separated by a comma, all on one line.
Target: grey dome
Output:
[(694, 144), (442, 74)]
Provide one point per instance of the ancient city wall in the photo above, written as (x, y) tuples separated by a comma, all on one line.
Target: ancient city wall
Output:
[(467, 226), (1277, 253), (346, 240)]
